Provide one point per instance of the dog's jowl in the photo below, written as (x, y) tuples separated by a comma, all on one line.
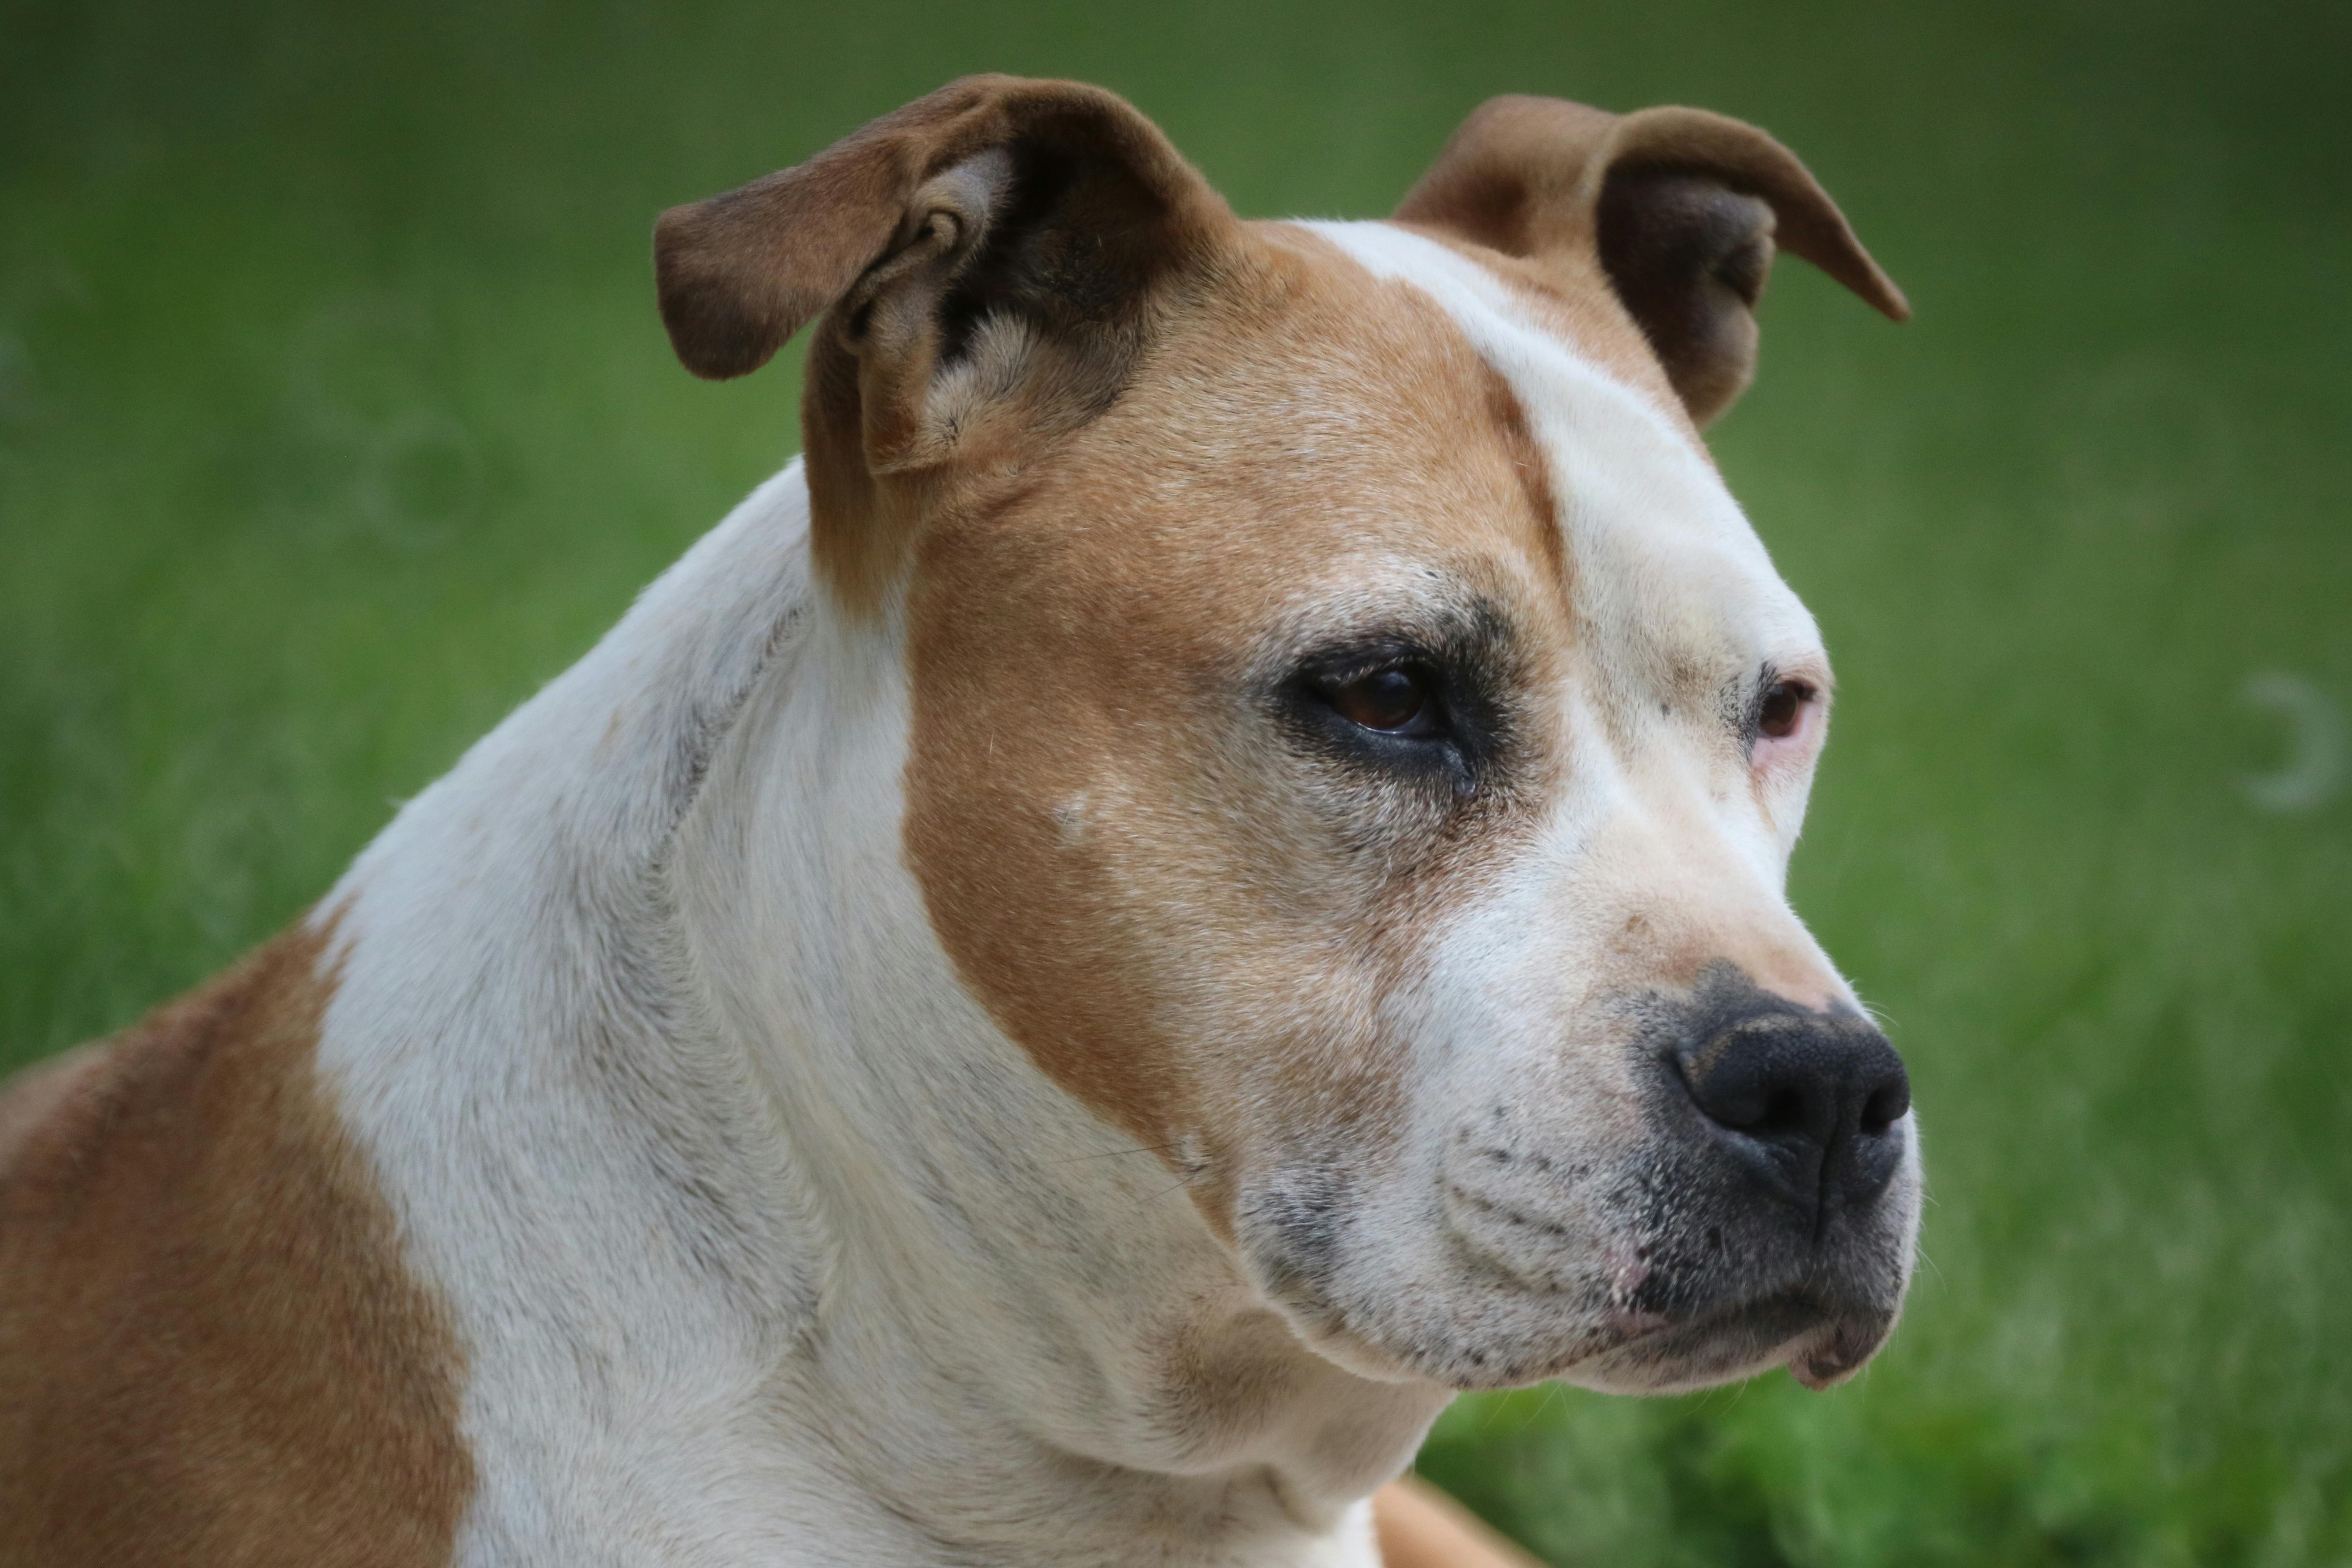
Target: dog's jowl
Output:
[(1204, 872)]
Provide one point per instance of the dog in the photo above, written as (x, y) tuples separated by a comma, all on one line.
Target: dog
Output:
[(1202, 873)]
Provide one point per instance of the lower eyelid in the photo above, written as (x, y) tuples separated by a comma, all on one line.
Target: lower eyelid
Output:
[(1802, 735)]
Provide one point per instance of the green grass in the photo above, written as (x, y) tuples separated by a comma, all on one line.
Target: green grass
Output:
[(334, 418)]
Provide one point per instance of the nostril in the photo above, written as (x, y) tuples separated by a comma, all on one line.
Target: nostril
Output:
[(1885, 1107), (1785, 1111), (1764, 1110)]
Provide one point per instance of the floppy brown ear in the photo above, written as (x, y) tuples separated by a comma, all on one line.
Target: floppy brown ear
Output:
[(990, 261), (1680, 210), (1049, 207)]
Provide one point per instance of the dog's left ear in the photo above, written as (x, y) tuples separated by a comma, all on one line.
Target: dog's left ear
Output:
[(1679, 210)]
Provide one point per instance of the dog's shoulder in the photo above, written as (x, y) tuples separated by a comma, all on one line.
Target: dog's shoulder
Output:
[(207, 1335), (50, 1099)]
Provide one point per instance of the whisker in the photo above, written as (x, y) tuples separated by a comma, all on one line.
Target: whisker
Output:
[(1179, 1185), (1116, 1153)]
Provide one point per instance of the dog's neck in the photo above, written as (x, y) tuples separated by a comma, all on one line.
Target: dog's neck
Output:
[(798, 1215)]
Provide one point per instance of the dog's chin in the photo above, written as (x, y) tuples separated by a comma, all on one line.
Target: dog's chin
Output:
[(1820, 1344), (1621, 1351)]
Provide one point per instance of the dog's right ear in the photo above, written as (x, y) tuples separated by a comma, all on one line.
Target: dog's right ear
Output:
[(995, 231), (1679, 210)]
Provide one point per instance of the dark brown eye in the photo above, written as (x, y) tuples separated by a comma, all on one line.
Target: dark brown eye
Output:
[(1783, 707), (1396, 701)]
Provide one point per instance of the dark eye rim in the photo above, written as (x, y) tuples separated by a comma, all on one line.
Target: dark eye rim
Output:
[(1454, 746), (1469, 664)]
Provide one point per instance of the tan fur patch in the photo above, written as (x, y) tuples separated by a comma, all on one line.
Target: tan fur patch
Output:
[(27, 1098), (1419, 1527), (210, 1350), (1535, 472), (1126, 868)]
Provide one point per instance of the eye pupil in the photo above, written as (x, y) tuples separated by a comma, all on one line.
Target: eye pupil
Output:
[(1783, 707), (1395, 699)]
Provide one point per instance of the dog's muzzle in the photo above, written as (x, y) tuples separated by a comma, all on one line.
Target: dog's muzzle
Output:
[(1764, 1214)]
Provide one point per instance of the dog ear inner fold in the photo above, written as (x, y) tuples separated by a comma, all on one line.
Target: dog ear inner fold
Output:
[(1680, 208)]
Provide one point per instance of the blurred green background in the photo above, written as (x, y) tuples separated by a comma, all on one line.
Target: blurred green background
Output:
[(334, 418)]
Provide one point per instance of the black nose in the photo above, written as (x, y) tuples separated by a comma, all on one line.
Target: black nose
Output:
[(1812, 1097)]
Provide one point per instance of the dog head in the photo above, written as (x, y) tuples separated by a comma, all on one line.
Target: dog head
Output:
[(1356, 741)]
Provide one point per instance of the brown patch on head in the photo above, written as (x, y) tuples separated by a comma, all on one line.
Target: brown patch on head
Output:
[(1676, 210), (1510, 421), (210, 1348), (1190, 916)]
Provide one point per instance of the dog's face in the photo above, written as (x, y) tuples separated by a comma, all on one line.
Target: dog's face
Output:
[(1356, 741)]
